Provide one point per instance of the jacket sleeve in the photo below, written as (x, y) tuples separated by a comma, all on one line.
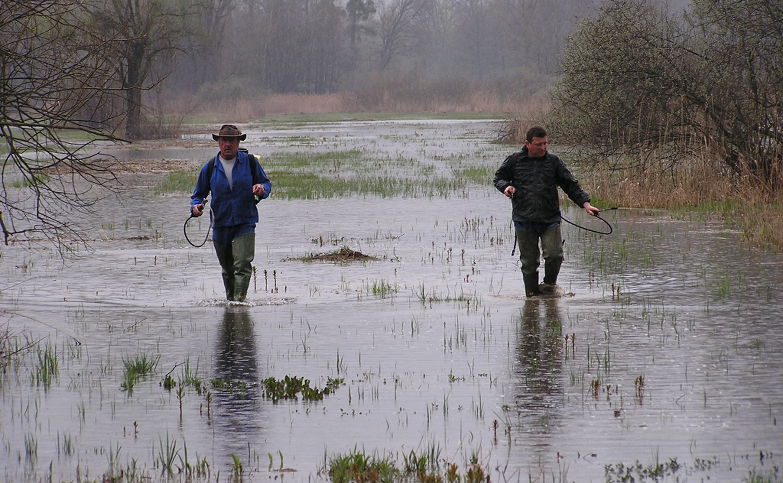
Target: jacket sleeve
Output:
[(260, 177), (201, 190), (504, 176), (570, 185)]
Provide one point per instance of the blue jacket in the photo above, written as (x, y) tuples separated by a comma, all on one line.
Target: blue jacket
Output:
[(237, 205)]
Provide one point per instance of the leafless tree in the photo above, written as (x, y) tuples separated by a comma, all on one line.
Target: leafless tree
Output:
[(298, 45), (359, 11), (144, 33), (206, 45), (397, 21), (56, 102), (636, 81)]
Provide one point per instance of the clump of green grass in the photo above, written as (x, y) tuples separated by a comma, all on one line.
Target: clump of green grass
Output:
[(237, 470), (723, 288), (425, 467), (358, 466), (48, 366), (137, 367), (381, 288), (167, 454)]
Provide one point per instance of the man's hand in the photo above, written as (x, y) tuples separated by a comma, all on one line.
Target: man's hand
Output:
[(197, 210), (258, 190), (509, 191), (590, 209)]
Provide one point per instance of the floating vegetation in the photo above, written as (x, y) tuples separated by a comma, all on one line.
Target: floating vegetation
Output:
[(342, 255), (292, 387), (235, 387), (671, 469), (637, 471)]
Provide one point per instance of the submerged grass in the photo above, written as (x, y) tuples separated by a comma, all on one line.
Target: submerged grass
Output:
[(344, 173), (177, 182), (476, 174), (274, 120), (430, 296)]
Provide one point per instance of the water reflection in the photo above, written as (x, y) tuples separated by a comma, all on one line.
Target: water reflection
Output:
[(236, 398), (539, 367)]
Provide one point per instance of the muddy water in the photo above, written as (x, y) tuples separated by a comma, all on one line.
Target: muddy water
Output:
[(667, 350)]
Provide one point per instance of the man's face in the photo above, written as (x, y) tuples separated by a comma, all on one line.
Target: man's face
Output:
[(537, 147), (228, 147)]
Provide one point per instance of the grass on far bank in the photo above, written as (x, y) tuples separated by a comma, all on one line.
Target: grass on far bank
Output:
[(699, 188)]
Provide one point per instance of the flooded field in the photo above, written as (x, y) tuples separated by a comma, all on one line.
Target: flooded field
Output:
[(123, 362)]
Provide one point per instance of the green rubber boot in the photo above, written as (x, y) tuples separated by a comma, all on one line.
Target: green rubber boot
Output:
[(243, 248), (226, 260)]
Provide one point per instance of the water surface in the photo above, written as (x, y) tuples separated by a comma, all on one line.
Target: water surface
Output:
[(668, 348)]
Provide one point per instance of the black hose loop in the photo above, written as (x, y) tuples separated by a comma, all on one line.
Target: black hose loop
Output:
[(609, 232), (590, 229), (206, 237)]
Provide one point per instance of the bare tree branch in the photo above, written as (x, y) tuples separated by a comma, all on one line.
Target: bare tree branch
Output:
[(57, 104)]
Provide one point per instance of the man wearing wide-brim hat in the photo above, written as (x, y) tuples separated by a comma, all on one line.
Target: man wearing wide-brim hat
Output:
[(237, 183)]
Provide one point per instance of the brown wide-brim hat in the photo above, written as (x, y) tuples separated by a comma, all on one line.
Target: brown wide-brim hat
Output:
[(229, 131)]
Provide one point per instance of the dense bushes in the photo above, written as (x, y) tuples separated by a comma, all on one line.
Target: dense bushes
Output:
[(652, 91)]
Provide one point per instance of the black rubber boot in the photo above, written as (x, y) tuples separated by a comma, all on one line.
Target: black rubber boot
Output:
[(531, 284), (551, 271), (549, 287)]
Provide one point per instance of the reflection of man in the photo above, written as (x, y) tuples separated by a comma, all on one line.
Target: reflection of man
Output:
[(236, 350), (530, 178), (236, 367), (539, 363)]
